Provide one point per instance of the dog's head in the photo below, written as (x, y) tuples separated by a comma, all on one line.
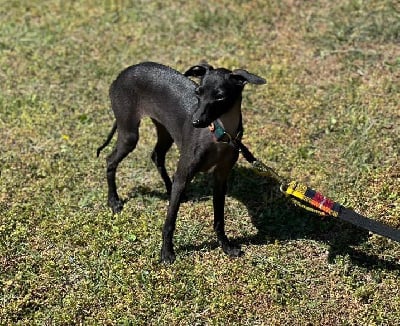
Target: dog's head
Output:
[(218, 91)]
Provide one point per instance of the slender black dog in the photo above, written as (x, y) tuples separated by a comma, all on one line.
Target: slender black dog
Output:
[(203, 120)]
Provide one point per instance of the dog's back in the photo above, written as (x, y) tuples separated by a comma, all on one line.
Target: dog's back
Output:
[(154, 90)]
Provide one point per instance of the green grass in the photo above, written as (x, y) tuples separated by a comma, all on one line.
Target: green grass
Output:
[(328, 117)]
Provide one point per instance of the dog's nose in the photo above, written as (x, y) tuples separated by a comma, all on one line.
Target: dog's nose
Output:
[(199, 123), (196, 123)]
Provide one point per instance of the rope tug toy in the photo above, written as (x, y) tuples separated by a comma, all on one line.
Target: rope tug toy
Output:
[(314, 201)]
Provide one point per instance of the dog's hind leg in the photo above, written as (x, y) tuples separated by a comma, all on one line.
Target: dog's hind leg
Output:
[(126, 143), (164, 142)]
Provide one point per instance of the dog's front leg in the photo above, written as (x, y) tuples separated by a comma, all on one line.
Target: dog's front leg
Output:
[(178, 187), (220, 186)]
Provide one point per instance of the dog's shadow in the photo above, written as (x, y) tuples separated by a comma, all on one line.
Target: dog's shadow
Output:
[(275, 217)]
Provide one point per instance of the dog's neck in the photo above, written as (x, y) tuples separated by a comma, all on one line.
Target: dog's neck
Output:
[(232, 119)]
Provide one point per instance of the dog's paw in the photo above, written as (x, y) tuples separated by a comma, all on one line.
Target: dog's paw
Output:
[(116, 206), (167, 257), (232, 250)]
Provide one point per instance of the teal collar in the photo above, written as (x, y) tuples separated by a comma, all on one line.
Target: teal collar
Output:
[(221, 135)]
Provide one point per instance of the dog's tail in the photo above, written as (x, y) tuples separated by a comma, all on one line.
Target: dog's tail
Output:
[(109, 137)]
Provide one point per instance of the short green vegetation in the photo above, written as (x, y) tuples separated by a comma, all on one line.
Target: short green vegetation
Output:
[(328, 117)]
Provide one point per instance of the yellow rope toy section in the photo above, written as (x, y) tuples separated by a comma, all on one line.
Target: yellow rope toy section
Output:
[(300, 194)]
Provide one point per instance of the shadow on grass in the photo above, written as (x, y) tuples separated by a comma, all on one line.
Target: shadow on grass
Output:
[(276, 218)]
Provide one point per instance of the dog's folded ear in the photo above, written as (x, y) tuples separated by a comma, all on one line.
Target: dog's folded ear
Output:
[(243, 76), (198, 70)]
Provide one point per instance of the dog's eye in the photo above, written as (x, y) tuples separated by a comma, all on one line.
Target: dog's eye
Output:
[(220, 97)]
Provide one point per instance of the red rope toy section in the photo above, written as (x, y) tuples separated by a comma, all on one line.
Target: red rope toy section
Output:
[(314, 198)]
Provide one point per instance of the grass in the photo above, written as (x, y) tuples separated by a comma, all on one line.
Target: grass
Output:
[(328, 117)]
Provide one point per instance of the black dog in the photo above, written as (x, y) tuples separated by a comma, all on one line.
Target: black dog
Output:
[(203, 120)]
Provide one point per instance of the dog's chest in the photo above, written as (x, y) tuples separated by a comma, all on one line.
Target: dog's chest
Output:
[(220, 156), (231, 119)]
